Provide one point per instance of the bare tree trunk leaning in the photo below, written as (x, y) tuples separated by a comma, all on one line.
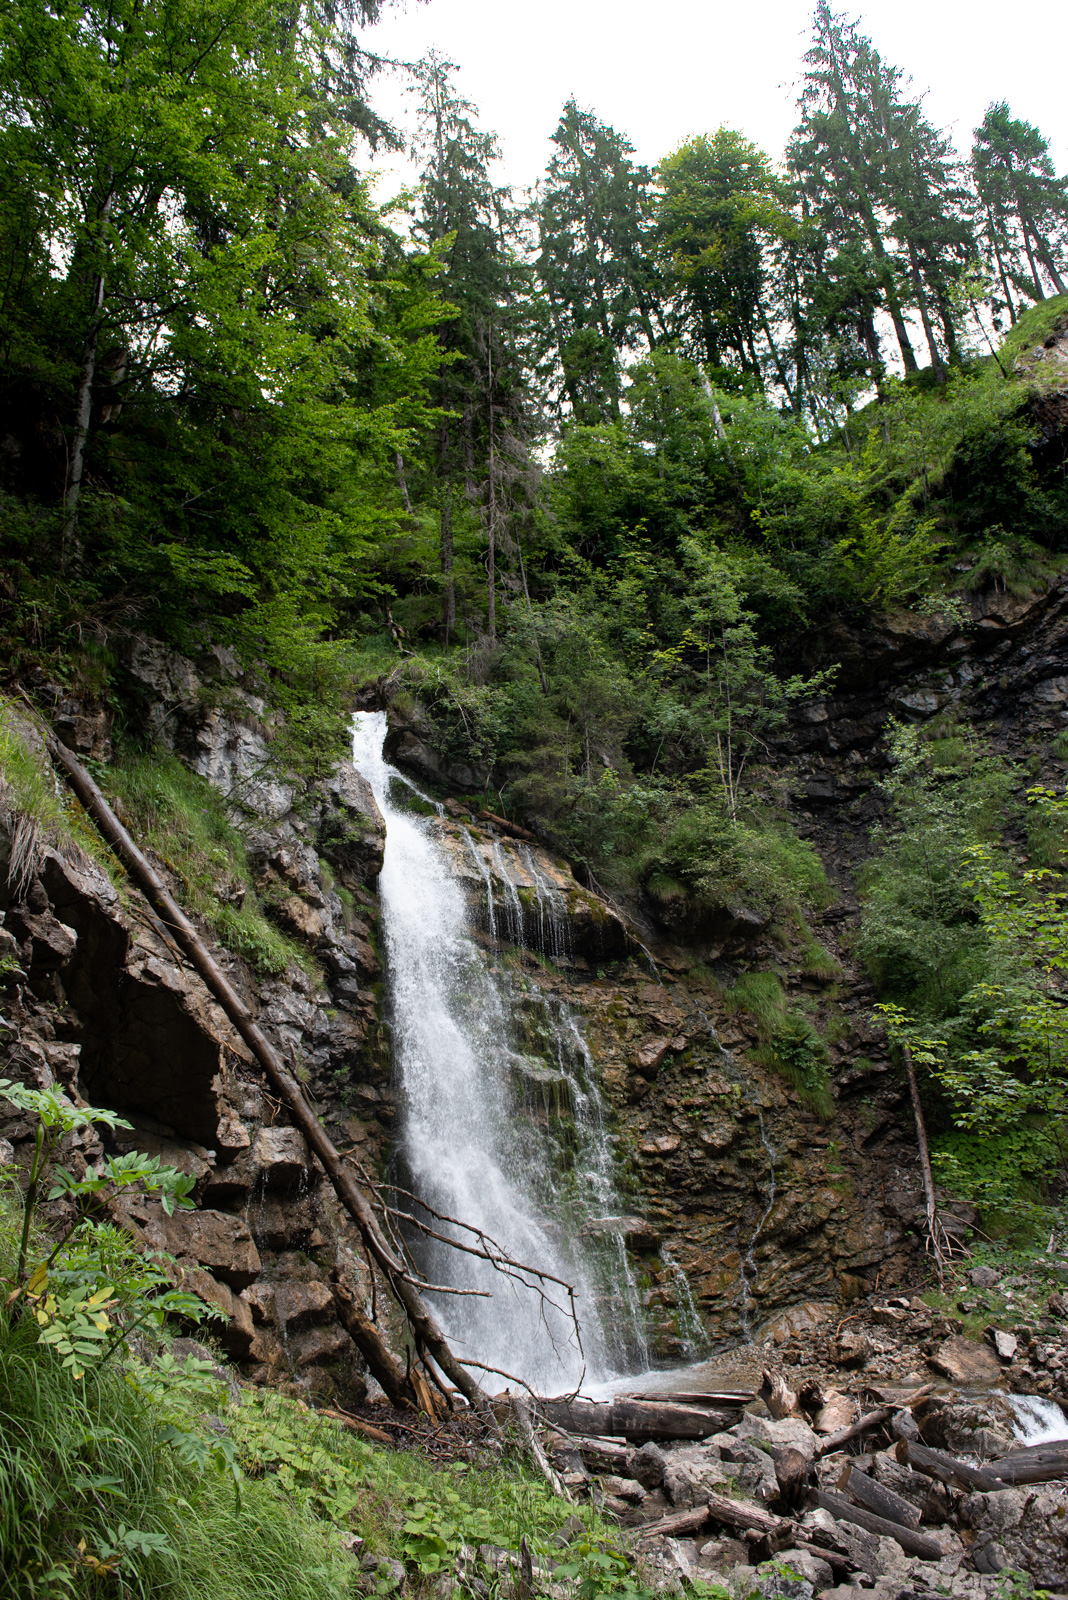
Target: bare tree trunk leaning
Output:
[(933, 1224), (424, 1325)]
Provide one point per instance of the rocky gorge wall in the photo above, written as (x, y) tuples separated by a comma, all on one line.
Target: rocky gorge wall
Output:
[(741, 1200)]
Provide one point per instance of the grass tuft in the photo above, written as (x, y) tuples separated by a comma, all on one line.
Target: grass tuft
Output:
[(183, 819)]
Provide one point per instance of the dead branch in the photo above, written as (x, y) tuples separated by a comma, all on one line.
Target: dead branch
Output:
[(521, 1409), (834, 1441)]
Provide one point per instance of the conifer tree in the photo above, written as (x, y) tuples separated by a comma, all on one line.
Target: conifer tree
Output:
[(594, 213), (1024, 207), (481, 388), (883, 184)]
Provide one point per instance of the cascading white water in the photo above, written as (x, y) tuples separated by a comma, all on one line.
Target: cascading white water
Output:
[(1038, 1420), (466, 1148)]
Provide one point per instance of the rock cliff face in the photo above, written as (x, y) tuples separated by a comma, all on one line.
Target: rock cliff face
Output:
[(744, 1201), (101, 1003)]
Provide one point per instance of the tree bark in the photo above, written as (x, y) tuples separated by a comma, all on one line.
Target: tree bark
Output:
[(636, 1420), (876, 1497), (447, 567), (834, 1441), (925, 1166), (398, 462), (83, 408), (421, 1319), (913, 1544), (946, 1468)]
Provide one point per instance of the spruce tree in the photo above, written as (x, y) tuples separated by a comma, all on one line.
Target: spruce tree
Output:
[(594, 215), (1024, 207)]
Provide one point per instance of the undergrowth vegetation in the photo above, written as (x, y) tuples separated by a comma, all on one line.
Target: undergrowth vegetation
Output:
[(35, 810), (789, 1043), (128, 1465), (963, 929), (184, 820)]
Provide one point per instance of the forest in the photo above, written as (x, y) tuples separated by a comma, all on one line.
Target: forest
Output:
[(588, 484), (588, 476)]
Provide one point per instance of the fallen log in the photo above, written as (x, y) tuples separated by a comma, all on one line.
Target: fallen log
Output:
[(834, 1441), (603, 1455), (833, 1558), (1037, 1463), (901, 1400), (877, 1498), (422, 1321), (779, 1398), (636, 1420), (745, 1514), (505, 826), (913, 1544), (946, 1468), (678, 1522), (739, 1398)]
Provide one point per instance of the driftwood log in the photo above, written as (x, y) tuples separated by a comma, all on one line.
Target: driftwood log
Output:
[(877, 1498), (1036, 1463), (779, 1398), (745, 1515), (946, 1468), (678, 1522), (706, 1398), (421, 1319), (791, 1473), (913, 1544), (635, 1420), (834, 1558)]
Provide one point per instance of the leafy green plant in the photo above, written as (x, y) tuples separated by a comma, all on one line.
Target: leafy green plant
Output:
[(71, 1304), (797, 1053)]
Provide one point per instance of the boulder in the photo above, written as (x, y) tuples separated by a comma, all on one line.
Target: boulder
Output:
[(792, 1431), (236, 1334), (302, 919), (191, 1159), (647, 1465), (819, 1573), (1005, 1344), (49, 943), (754, 1468), (627, 1489), (290, 1305), (284, 1222), (983, 1278), (635, 1232), (1022, 1528), (691, 1473), (852, 1348), (318, 1344), (650, 1053), (964, 1363)]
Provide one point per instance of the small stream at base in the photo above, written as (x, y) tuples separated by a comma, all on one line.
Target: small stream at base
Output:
[(502, 1121)]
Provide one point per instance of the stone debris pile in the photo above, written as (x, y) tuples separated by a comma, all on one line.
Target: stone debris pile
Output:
[(902, 1494)]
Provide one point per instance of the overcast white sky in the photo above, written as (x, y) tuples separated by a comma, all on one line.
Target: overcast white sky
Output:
[(665, 69)]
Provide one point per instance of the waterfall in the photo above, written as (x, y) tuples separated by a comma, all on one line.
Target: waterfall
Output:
[(502, 1126)]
